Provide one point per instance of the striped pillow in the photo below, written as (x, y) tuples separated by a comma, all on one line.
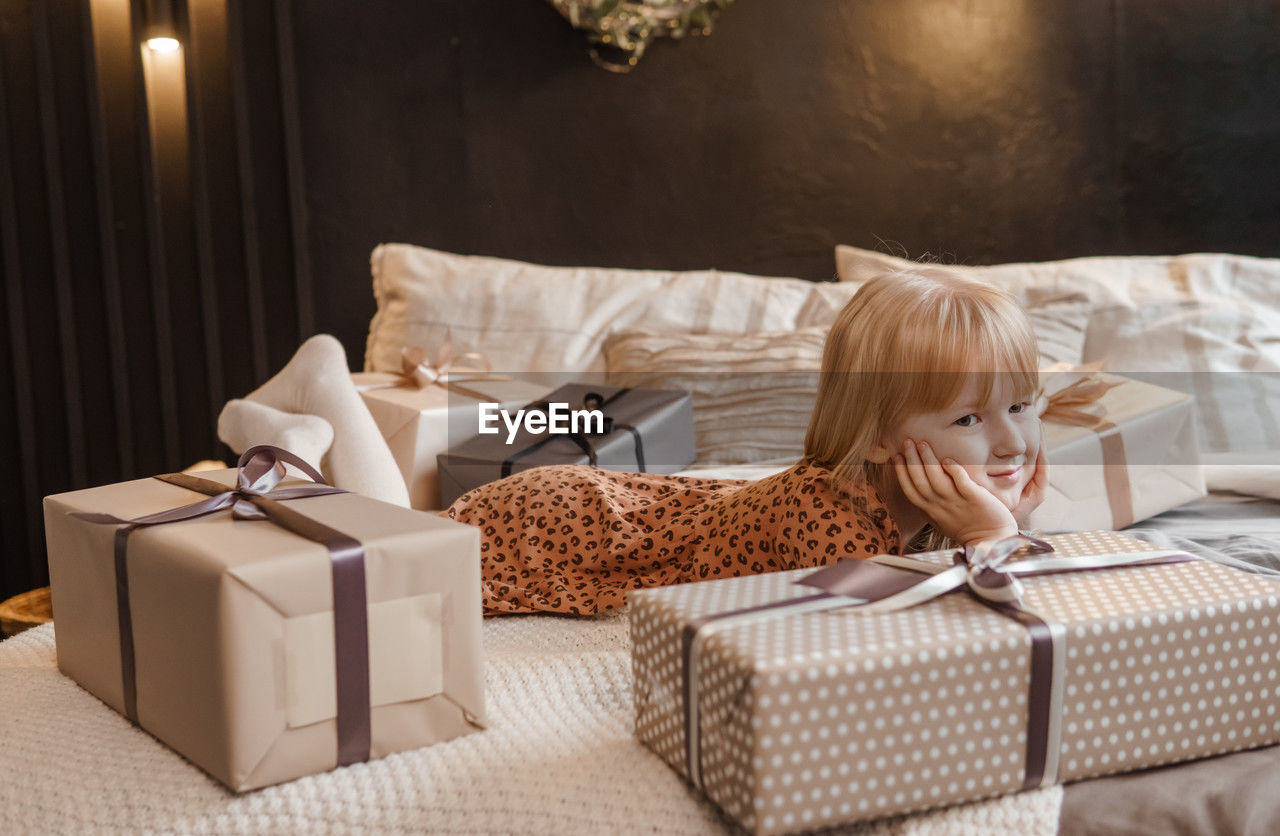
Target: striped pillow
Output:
[(1204, 324), (752, 394)]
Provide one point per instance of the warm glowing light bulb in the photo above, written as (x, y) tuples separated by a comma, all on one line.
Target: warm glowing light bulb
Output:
[(163, 44)]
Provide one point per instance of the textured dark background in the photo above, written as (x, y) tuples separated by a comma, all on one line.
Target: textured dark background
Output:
[(141, 290)]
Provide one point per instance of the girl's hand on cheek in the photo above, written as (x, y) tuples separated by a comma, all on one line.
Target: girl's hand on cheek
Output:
[(958, 507), (1033, 493)]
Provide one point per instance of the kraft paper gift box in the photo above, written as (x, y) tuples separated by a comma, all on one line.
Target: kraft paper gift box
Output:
[(1119, 450), (419, 422), (219, 637), (646, 430), (792, 709)]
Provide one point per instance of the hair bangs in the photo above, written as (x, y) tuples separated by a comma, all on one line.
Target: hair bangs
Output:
[(1008, 349), (979, 333), (996, 338)]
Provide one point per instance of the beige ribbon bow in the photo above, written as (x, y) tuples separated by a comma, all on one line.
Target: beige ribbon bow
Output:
[(447, 371), (1073, 396), (1076, 402)]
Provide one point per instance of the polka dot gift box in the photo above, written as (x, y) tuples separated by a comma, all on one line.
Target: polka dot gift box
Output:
[(794, 706)]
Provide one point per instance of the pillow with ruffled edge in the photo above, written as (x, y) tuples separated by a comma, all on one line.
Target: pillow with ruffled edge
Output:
[(534, 318)]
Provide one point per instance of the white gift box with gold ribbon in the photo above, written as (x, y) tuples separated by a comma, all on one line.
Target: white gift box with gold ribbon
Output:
[(433, 405), (1119, 451)]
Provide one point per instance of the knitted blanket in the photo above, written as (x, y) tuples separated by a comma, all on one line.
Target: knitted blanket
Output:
[(559, 757)]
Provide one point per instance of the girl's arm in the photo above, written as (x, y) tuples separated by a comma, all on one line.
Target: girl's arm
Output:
[(818, 527)]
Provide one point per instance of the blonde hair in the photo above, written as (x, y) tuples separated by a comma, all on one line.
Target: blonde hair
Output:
[(904, 345)]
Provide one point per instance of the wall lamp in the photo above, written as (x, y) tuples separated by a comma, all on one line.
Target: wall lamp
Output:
[(159, 32)]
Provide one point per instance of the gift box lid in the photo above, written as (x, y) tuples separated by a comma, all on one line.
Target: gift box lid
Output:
[(1126, 400), (395, 403)]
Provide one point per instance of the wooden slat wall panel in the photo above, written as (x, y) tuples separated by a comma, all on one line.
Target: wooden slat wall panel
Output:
[(59, 236), (143, 241), (117, 83), (226, 187), (254, 311), (168, 224), (18, 459), (32, 307), (205, 35), (266, 145), (96, 47), (292, 130)]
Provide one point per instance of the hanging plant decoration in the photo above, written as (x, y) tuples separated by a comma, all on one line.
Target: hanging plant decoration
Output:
[(620, 30)]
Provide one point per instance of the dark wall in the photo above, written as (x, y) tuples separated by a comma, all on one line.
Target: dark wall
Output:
[(143, 288)]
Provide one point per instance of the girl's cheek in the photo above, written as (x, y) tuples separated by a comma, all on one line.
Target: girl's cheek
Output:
[(970, 456)]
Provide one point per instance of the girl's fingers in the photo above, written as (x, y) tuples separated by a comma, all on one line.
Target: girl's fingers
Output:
[(1033, 494), (1041, 476), (908, 485), (937, 476), (964, 485), (916, 471)]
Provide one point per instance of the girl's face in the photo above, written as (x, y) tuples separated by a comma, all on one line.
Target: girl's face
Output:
[(996, 442)]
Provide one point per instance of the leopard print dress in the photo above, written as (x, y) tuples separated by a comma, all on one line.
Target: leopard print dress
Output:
[(576, 539)]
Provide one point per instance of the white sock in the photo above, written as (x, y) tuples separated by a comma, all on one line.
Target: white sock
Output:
[(317, 382), (244, 424)]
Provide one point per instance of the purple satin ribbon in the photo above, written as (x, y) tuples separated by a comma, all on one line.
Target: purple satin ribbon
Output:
[(257, 497), (988, 581), (872, 581)]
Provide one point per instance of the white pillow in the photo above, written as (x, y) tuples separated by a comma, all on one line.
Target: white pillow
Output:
[(752, 393), (1205, 324), (531, 318)]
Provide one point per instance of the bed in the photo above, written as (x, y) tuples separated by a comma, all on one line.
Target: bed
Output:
[(559, 755)]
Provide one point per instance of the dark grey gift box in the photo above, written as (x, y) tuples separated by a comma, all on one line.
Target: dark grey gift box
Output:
[(647, 431)]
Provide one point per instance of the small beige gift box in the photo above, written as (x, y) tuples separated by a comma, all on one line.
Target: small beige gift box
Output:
[(223, 637), (794, 708), (422, 419), (1119, 451)]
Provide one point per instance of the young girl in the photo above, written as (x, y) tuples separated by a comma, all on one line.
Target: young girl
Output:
[(922, 435)]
